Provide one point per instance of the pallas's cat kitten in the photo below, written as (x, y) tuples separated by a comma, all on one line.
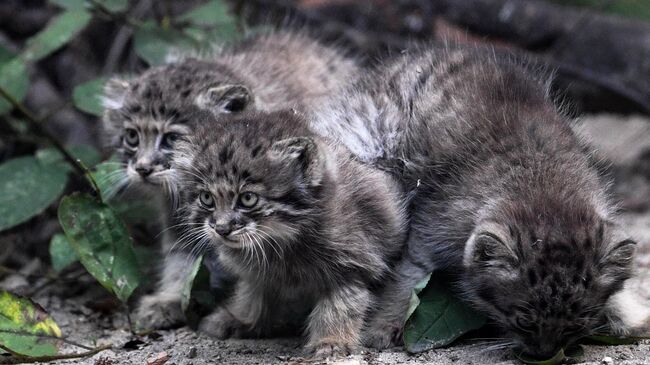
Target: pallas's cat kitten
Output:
[(147, 114), (503, 194), (307, 230)]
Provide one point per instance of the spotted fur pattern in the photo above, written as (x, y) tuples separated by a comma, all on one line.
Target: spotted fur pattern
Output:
[(502, 194), (320, 237), (146, 115)]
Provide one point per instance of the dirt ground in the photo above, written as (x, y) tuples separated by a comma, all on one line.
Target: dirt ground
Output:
[(625, 141)]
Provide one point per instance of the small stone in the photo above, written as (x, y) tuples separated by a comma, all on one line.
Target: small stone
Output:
[(282, 357), (158, 359), (607, 360), (192, 353)]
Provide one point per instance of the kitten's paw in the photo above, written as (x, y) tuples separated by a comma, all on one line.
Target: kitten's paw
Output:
[(329, 350), (381, 335), (221, 324), (159, 312)]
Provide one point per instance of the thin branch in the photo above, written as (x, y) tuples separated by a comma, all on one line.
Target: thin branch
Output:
[(21, 359), (36, 125)]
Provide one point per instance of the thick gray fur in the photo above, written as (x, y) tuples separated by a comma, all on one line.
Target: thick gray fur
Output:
[(502, 193), (265, 72), (322, 237)]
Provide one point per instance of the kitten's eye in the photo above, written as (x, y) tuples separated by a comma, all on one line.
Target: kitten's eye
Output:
[(524, 324), (131, 137), (169, 139), (206, 199), (248, 199)]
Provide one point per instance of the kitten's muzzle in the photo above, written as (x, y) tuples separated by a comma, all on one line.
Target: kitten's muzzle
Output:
[(143, 170)]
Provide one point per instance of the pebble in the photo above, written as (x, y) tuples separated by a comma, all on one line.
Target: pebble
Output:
[(192, 353), (607, 360), (158, 359)]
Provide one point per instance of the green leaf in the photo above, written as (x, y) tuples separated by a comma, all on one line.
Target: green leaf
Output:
[(69, 4), (114, 6), (102, 243), (415, 300), (154, 43), (27, 187), (25, 327), (61, 252), (88, 155), (213, 13), (14, 79), (211, 23), (87, 96), (613, 340), (198, 298), (56, 34), (439, 319)]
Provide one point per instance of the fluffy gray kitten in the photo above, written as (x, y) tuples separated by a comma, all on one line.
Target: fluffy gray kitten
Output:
[(502, 194), (308, 230), (147, 114)]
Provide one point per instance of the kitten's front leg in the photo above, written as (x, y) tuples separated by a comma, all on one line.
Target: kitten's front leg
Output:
[(241, 317), (387, 321), (335, 323), (162, 309)]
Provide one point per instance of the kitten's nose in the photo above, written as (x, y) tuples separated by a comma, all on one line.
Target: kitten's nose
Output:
[(223, 229), (144, 171)]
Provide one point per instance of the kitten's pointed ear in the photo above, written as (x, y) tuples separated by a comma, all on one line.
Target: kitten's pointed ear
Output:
[(225, 99), (115, 92), (303, 152), (487, 250)]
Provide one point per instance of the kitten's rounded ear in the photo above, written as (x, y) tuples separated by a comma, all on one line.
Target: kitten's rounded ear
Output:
[(303, 152), (115, 92), (225, 99), (616, 260), (487, 250)]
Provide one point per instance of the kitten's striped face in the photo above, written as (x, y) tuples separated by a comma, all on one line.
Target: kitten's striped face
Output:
[(547, 287), (147, 142), (245, 192), (145, 117)]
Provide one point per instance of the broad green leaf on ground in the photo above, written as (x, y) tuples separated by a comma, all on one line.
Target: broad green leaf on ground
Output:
[(87, 96), (613, 340), (154, 43), (439, 319), (198, 298), (25, 327), (14, 79), (101, 242), (61, 252), (88, 155), (27, 187), (572, 355), (56, 34), (415, 300)]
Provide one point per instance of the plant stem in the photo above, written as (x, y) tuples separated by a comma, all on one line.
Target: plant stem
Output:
[(21, 359), (36, 125)]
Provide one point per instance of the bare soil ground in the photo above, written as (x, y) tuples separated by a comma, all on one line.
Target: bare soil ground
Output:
[(624, 140)]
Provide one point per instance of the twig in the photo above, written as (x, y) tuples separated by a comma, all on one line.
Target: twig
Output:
[(36, 125), (21, 359)]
